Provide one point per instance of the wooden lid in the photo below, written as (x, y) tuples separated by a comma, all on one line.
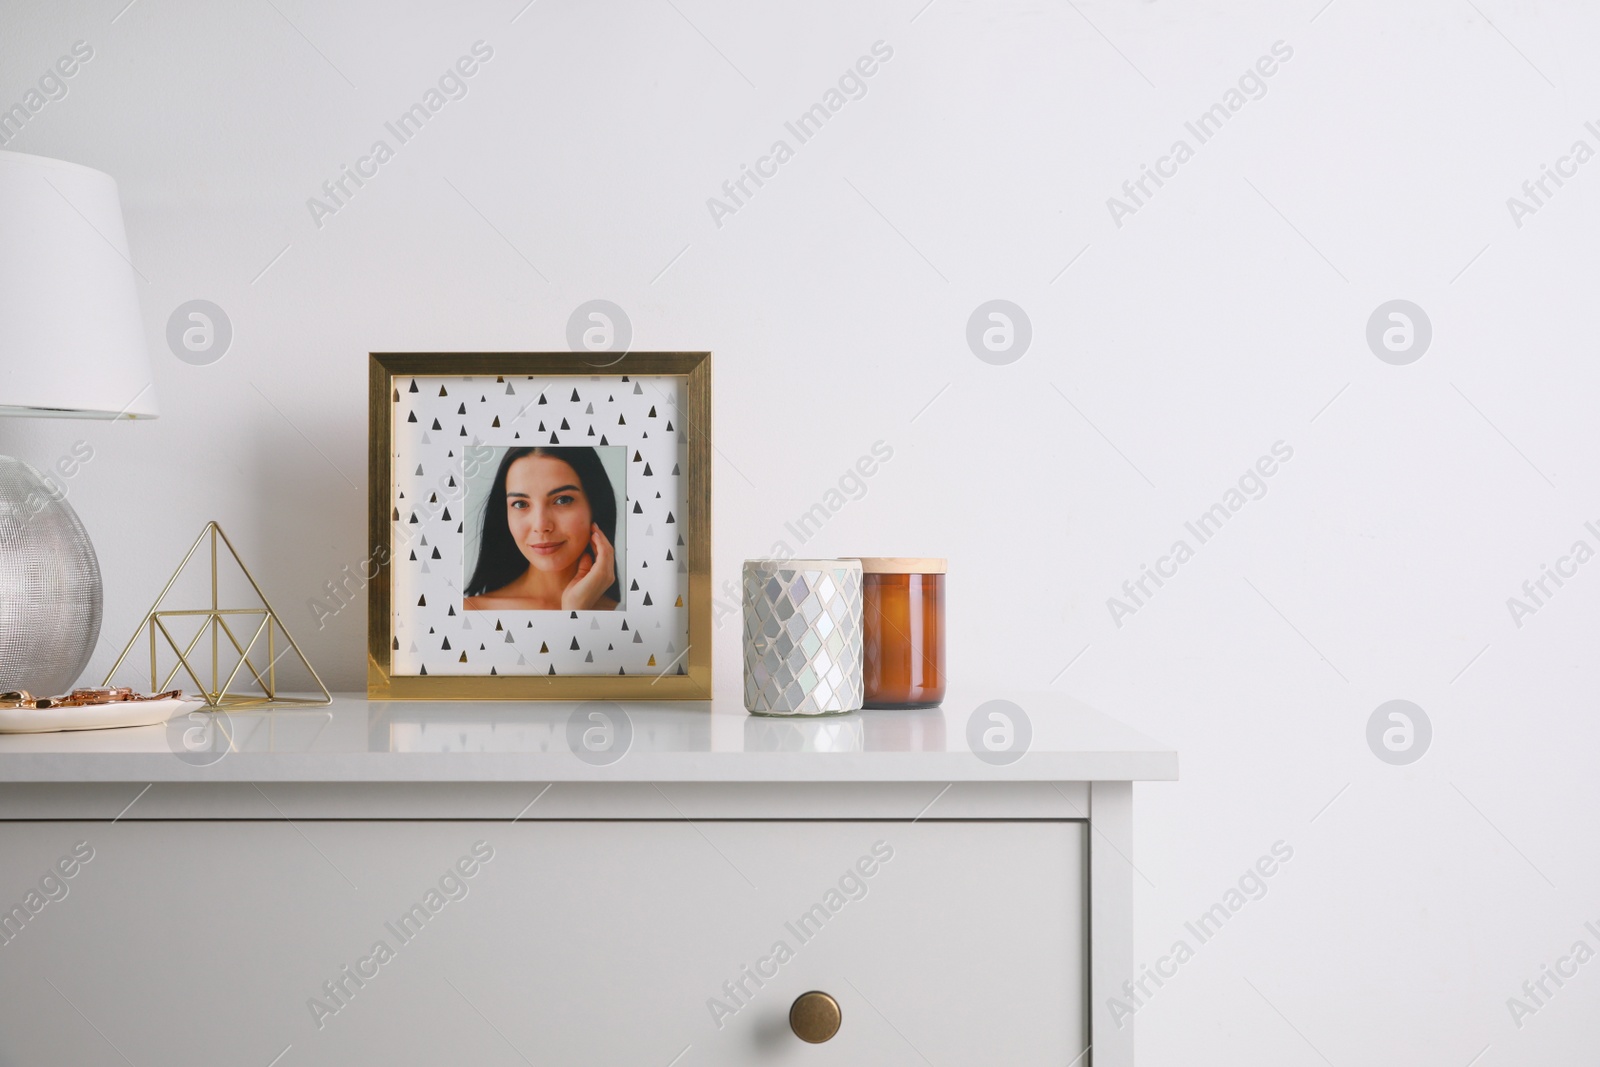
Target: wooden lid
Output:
[(902, 565)]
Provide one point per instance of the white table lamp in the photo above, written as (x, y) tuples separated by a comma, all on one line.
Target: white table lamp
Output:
[(72, 345)]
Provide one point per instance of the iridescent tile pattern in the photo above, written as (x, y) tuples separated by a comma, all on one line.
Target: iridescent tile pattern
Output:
[(802, 636)]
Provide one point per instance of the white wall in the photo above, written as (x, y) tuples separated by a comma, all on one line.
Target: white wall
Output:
[(1222, 317)]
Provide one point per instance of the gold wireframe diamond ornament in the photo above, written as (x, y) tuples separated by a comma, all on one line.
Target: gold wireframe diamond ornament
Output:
[(268, 641)]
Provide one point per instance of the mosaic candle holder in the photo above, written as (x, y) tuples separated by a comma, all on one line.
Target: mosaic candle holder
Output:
[(802, 636)]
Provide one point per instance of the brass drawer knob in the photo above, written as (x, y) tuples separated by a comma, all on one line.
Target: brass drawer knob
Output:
[(814, 1017)]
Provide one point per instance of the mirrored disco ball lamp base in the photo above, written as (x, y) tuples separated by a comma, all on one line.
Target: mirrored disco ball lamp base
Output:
[(49, 585)]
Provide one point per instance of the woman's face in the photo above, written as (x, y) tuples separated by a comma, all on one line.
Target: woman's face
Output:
[(548, 512)]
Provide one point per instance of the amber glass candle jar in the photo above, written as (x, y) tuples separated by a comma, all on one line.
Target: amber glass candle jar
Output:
[(903, 631)]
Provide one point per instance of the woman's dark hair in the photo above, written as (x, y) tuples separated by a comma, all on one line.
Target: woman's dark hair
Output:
[(500, 561)]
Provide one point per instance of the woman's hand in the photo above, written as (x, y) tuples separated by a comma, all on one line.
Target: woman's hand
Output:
[(596, 573)]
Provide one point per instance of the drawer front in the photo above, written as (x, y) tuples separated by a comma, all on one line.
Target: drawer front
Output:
[(552, 942)]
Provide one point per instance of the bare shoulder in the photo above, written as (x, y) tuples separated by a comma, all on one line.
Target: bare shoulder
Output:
[(491, 602)]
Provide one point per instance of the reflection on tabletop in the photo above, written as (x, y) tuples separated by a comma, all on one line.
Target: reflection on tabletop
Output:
[(666, 727), (355, 726)]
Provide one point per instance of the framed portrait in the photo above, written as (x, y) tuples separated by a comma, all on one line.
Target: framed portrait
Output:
[(540, 526)]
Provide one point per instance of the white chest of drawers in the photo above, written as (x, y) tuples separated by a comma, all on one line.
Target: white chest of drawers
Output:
[(498, 883)]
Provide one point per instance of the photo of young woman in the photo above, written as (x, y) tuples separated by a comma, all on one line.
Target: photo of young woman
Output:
[(546, 534)]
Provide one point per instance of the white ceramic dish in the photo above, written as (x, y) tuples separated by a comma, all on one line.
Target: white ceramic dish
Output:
[(93, 716)]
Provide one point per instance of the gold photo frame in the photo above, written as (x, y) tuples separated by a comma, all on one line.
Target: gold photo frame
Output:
[(441, 427)]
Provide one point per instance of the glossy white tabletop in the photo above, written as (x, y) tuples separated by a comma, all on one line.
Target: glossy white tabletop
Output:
[(1054, 738)]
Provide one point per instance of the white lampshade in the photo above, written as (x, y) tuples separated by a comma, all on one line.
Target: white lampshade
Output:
[(72, 342)]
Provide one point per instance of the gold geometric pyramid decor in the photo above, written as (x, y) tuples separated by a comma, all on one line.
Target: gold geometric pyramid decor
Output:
[(257, 657)]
